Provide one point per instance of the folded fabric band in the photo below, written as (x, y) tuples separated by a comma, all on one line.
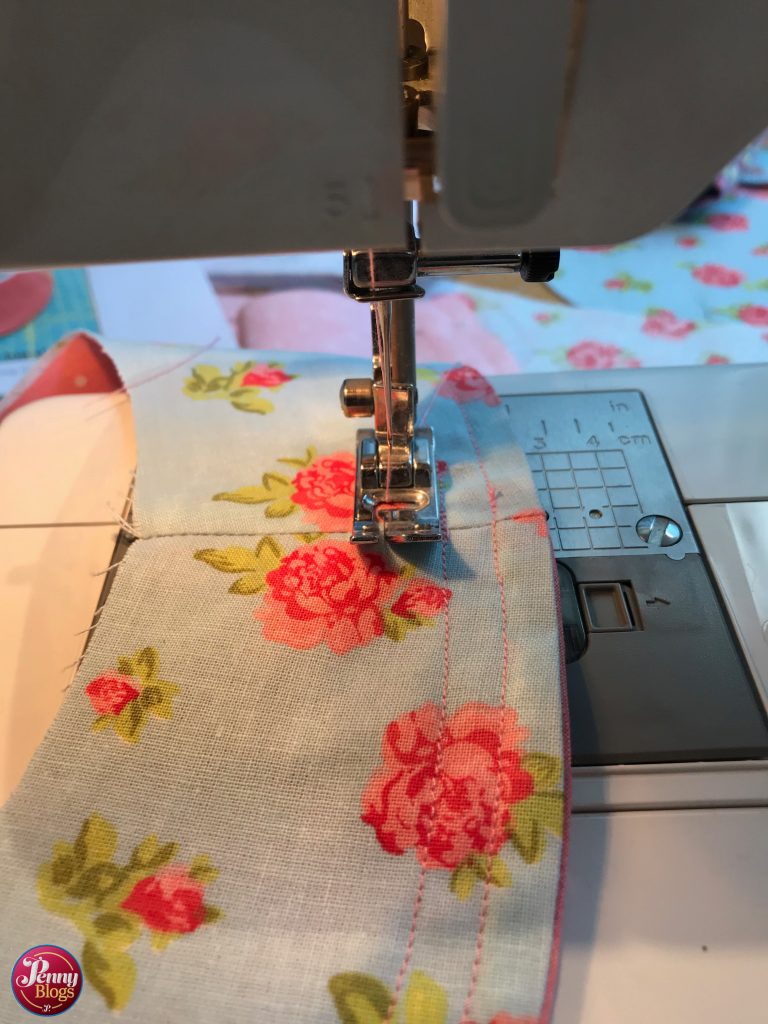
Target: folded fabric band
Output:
[(295, 780)]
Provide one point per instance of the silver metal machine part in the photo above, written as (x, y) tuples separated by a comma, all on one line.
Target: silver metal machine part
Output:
[(396, 492), (601, 474)]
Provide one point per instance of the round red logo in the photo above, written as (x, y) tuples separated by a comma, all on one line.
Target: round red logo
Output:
[(46, 980)]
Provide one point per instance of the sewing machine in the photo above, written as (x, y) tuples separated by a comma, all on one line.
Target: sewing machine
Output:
[(485, 141)]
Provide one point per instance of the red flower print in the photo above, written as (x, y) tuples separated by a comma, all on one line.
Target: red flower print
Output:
[(465, 384), (328, 593), (688, 241), (421, 601), (169, 901), (109, 693), (264, 376), (326, 491), (727, 222), (615, 284), (714, 360), (663, 323), (717, 275), (447, 811), (533, 515), (757, 316), (593, 355)]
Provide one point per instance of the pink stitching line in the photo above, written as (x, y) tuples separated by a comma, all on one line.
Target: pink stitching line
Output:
[(486, 898), (427, 407), (419, 898), (162, 372), (557, 923)]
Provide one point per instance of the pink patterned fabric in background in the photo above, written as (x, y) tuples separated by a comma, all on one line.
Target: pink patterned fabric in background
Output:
[(502, 332)]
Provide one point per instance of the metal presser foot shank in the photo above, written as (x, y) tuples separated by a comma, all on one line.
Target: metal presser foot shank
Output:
[(396, 492)]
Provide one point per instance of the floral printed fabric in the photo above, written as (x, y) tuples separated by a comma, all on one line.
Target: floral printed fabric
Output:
[(709, 267), (328, 592), (544, 336), (445, 810), (351, 806), (111, 905), (125, 698)]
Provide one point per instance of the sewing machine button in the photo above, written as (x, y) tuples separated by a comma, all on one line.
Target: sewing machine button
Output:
[(658, 531), (606, 607)]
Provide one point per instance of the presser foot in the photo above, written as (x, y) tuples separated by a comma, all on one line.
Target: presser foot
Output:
[(405, 514)]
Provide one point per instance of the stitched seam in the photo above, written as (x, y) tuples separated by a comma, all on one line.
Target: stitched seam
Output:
[(496, 818), (434, 787), (512, 517)]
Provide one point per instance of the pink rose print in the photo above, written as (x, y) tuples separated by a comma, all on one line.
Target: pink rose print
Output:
[(326, 491), (449, 814), (127, 697), (727, 222), (688, 241), (717, 275), (663, 323), (169, 901), (264, 376), (594, 355), (545, 318), (760, 250), (115, 903), (421, 601), (756, 316), (109, 693), (626, 282), (326, 593), (715, 360), (464, 384), (535, 516)]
